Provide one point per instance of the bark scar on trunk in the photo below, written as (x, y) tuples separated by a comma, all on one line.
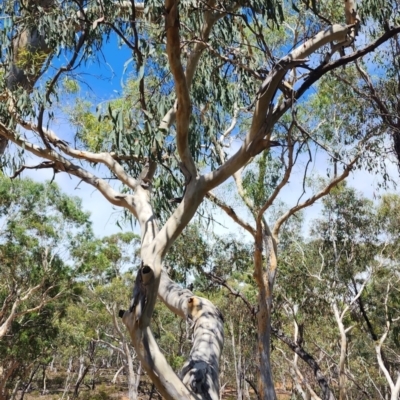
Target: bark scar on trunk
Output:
[(144, 277)]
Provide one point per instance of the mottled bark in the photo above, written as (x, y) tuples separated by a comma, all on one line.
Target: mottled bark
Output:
[(199, 376)]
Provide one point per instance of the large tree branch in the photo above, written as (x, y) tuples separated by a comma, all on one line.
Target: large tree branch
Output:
[(200, 373), (181, 87), (210, 18), (62, 164), (7, 302), (317, 73), (201, 370), (194, 195), (258, 137), (7, 323), (104, 158)]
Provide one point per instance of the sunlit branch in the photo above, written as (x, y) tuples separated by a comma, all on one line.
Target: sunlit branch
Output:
[(168, 294), (317, 73), (104, 158), (207, 322), (257, 138), (62, 164), (183, 111), (237, 177), (155, 364), (210, 18)]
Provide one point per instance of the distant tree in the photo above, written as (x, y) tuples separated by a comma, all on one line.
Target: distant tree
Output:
[(337, 295), (39, 228), (107, 265)]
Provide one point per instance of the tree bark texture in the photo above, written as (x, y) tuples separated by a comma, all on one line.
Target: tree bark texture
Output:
[(265, 276)]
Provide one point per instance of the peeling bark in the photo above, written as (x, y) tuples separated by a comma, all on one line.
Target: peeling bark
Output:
[(199, 375)]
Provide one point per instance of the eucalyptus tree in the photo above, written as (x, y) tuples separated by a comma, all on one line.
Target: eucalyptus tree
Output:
[(39, 227), (208, 75), (337, 295), (107, 263)]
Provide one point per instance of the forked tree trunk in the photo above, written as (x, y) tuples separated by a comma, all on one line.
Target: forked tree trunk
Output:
[(199, 376)]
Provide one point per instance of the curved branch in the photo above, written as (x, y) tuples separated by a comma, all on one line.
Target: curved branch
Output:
[(104, 158), (181, 87), (194, 195), (258, 137), (200, 373), (210, 18), (154, 362), (324, 68), (201, 370), (62, 164)]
